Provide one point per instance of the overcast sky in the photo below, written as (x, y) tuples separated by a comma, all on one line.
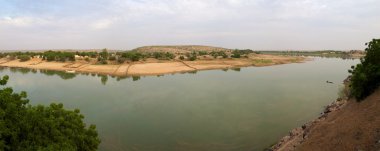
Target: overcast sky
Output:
[(126, 24)]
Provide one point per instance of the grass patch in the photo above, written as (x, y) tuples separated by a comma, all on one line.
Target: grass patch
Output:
[(262, 61)]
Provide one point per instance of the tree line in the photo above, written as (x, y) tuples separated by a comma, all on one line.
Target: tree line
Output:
[(104, 56)]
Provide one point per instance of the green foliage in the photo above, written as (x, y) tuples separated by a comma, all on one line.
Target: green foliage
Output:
[(162, 55), (58, 56), (202, 53), (101, 61), (104, 79), (262, 61), (181, 57), (27, 127), (112, 58), (192, 56), (169, 55), (121, 59), (244, 51), (132, 55), (239, 53), (104, 54), (24, 58), (366, 75), (88, 54), (235, 54), (215, 54)]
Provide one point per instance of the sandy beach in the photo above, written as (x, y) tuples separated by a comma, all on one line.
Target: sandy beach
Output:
[(152, 66)]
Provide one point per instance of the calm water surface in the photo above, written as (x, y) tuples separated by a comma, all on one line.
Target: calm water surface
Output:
[(217, 110)]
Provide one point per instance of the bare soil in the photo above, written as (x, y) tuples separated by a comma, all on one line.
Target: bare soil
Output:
[(353, 127)]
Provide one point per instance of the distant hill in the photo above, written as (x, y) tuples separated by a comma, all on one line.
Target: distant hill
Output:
[(179, 49)]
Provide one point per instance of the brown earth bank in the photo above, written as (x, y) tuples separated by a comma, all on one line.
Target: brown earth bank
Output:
[(343, 126), (153, 66)]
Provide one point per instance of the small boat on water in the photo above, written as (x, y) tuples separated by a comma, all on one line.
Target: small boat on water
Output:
[(70, 71), (330, 82)]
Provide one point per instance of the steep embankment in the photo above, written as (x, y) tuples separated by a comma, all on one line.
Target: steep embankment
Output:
[(350, 126)]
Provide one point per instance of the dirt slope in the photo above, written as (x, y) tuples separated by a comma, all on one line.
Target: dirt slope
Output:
[(354, 127), (351, 126)]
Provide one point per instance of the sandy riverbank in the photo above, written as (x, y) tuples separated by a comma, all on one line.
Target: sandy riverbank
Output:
[(152, 66)]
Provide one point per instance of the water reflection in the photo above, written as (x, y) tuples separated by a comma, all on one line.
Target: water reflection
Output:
[(136, 78), (63, 75), (103, 77), (236, 69)]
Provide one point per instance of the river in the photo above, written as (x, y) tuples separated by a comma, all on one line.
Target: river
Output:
[(217, 110)]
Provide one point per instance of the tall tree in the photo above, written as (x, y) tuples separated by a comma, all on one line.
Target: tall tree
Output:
[(366, 75)]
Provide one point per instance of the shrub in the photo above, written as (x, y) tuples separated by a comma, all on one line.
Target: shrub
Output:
[(103, 62), (112, 58), (134, 56), (181, 57), (202, 53), (366, 75), (235, 55), (169, 55), (121, 59), (24, 58), (193, 56), (58, 56)]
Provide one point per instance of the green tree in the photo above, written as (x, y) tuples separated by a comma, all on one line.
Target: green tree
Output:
[(104, 54), (24, 58), (27, 127), (366, 75), (193, 56), (235, 54)]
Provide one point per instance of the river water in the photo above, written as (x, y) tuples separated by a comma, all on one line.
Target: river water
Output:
[(243, 109)]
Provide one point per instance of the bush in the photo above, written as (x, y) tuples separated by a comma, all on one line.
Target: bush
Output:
[(121, 59), (27, 127), (366, 75), (219, 53), (58, 56), (134, 56), (202, 53), (192, 56), (24, 58), (112, 58), (181, 57), (235, 55), (103, 62)]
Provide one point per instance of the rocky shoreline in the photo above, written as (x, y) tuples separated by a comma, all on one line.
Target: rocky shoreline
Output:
[(298, 135)]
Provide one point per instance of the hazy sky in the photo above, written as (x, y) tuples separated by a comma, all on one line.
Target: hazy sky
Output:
[(126, 24)]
